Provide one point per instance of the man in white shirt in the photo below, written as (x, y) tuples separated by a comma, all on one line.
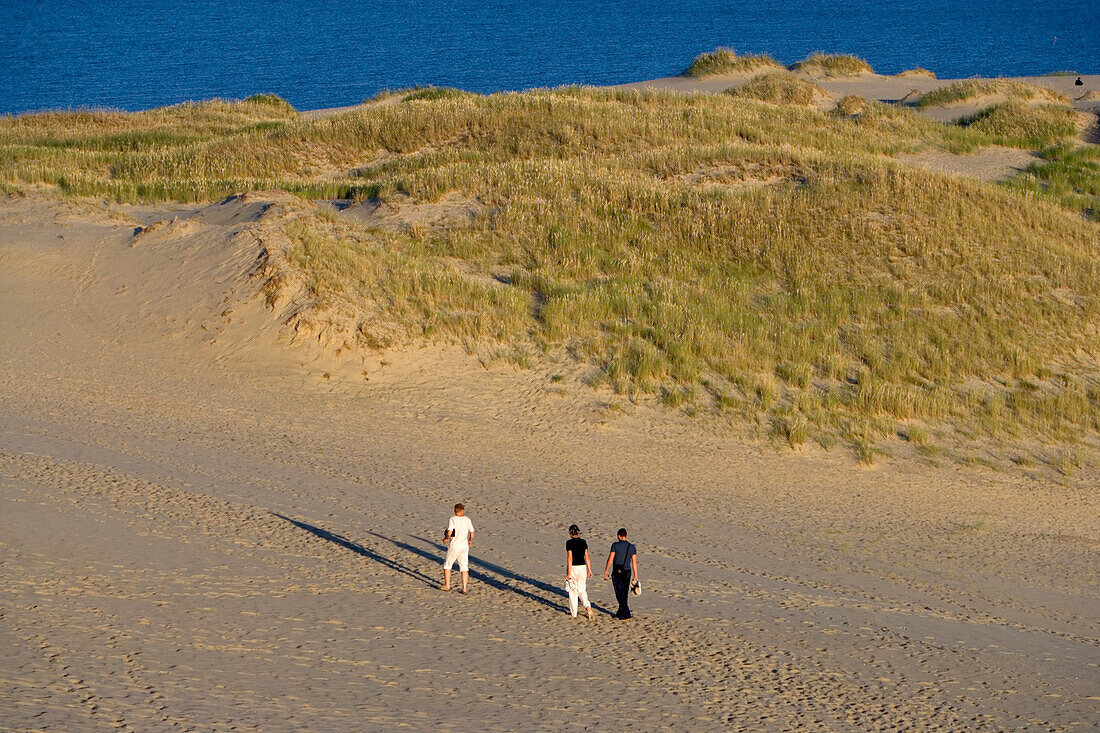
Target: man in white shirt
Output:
[(460, 535)]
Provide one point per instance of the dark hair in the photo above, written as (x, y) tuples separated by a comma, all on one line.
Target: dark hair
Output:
[(622, 532), (574, 529), (459, 508)]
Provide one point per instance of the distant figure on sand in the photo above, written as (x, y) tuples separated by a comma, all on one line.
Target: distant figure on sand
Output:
[(460, 535), (578, 569), (620, 562)]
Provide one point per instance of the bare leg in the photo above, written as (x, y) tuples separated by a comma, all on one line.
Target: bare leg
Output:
[(447, 579), (465, 580)]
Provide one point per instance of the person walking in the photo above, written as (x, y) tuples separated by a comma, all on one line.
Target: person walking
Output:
[(578, 569), (621, 561), (459, 535)]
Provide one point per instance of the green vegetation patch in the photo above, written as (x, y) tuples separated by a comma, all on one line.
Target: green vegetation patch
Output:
[(833, 65), (725, 61), (1069, 175), (779, 87)]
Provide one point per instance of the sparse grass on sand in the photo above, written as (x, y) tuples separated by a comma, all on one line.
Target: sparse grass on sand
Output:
[(779, 87), (835, 65), (1071, 175), (1015, 114), (917, 72), (1016, 123), (712, 253), (725, 61), (960, 92)]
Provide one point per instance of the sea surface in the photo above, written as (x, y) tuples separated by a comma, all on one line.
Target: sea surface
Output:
[(134, 54)]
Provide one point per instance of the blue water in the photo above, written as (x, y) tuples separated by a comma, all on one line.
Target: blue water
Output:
[(135, 54)]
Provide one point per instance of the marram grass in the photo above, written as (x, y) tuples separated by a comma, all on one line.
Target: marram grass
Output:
[(779, 87), (971, 89), (725, 61), (710, 253), (833, 65)]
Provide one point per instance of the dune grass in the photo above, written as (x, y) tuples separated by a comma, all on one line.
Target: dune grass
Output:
[(963, 91), (779, 87), (851, 104), (917, 72), (724, 61), (433, 93), (1018, 124), (834, 65), (1069, 175), (709, 253)]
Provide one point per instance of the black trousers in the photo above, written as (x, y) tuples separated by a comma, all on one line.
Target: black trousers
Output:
[(620, 581)]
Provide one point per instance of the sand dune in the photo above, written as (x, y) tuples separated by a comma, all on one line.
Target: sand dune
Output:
[(202, 532)]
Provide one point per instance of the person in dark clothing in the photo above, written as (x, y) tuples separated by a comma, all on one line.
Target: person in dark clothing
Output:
[(622, 562)]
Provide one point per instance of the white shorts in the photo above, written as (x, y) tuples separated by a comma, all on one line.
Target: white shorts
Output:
[(461, 554)]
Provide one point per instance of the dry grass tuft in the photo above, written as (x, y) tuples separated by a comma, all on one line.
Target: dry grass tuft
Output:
[(779, 87), (851, 104), (1019, 124), (961, 92), (832, 65), (725, 61), (917, 72)]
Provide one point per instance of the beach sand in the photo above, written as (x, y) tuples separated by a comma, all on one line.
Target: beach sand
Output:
[(205, 527), (200, 530)]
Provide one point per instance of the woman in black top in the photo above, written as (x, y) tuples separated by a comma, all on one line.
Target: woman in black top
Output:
[(578, 569)]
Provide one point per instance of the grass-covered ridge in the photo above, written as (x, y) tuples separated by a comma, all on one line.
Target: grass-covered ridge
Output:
[(716, 253), (916, 72), (780, 87), (725, 61), (835, 65), (1023, 125), (960, 92), (1011, 113), (1071, 175)]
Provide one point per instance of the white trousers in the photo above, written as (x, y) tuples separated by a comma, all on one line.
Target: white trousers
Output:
[(579, 574), (459, 553)]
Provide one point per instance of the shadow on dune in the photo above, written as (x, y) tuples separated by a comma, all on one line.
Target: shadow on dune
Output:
[(508, 581), (360, 550), (482, 571)]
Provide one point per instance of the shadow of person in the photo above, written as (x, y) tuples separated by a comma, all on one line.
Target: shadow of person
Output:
[(363, 551), (508, 580)]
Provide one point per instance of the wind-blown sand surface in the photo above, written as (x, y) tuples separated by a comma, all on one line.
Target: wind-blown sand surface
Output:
[(199, 532)]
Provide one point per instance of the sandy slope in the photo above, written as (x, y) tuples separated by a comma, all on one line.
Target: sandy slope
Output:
[(197, 532)]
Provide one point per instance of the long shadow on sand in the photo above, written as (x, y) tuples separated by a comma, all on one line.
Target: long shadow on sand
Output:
[(508, 581), (360, 550), (480, 570)]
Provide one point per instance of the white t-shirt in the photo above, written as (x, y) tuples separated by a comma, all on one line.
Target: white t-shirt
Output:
[(460, 528)]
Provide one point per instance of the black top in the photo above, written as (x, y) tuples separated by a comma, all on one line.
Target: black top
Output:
[(576, 547)]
